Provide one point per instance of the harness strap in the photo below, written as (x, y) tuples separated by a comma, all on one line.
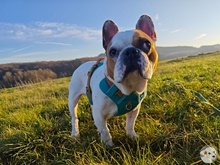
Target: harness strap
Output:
[(110, 83), (89, 74), (124, 103)]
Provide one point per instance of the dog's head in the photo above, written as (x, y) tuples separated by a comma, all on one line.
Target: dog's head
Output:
[(131, 57)]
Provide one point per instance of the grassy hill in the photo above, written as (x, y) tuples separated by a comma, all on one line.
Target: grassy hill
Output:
[(171, 52), (173, 124)]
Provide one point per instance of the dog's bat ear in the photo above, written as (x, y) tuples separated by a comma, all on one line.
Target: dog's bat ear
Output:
[(146, 25), (108, 31)]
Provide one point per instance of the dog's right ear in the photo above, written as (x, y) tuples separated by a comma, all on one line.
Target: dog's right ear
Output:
[(108, 31)]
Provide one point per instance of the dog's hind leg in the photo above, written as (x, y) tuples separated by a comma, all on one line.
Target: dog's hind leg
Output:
[(75, 91), (77, 87), (73, 106)]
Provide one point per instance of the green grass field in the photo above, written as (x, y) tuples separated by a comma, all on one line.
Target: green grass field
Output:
[(173, 124)]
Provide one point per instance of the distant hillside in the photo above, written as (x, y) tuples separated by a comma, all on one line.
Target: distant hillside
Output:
[(19, 73), (166, 53), (172, 52)]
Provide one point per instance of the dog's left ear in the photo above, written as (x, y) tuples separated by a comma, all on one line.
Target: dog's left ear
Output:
[(146, 25)]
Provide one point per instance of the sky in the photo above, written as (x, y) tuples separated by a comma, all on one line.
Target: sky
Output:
[(50, 30)]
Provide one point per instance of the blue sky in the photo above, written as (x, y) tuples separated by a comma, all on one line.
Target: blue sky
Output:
[(45, 30)]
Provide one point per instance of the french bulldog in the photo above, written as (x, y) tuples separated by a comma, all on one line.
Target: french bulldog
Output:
[(131, 59)]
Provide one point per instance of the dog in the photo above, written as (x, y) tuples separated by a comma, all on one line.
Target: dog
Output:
[(117, 85)]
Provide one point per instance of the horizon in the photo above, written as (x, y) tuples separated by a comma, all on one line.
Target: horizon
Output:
[(166, 58), (46, 31)]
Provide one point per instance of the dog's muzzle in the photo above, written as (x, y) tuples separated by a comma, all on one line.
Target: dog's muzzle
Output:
[(131, 59)]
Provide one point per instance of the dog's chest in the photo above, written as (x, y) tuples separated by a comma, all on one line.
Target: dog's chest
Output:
[(124, 103)]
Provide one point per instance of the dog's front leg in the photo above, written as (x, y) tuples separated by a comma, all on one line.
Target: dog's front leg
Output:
[(130, 122), (101, 124)]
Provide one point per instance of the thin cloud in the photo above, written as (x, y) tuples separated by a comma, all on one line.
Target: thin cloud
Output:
[(157, 17), (34, 56), (53, 43), (46, 30), (31, 54), (26, 57), (6, 50), (200, 36), (21, 49), (175, 31)]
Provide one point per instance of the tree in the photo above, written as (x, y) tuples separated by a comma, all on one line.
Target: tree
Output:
[(8, 77)]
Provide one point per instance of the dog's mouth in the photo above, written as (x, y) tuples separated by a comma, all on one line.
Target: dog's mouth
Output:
[(138, 68), (134, 66)]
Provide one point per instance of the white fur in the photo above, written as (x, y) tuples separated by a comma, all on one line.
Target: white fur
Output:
[(102, 109), (121, 39)]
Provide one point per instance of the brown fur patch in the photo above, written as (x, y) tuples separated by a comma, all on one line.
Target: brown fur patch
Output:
[(110, 64), (138, 38)]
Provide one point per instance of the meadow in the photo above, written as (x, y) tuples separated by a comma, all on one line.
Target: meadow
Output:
[(173, 124)]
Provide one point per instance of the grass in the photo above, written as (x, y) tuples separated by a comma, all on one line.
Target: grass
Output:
[(173, 124)]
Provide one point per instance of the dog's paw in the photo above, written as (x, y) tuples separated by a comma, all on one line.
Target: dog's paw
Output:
[(132, 135), (109, 143), (75, 135)]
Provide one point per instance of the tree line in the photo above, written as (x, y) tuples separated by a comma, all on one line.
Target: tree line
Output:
[(15, 74)]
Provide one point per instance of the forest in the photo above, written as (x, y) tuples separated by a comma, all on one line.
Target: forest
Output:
[(15, 74)]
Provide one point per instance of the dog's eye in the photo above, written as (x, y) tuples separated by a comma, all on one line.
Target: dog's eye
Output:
[(146, 45), (113, 52)]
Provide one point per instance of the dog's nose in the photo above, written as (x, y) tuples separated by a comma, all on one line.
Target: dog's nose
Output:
[(131, 52)]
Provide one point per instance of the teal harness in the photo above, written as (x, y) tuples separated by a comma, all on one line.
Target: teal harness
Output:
[(124, 103)]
